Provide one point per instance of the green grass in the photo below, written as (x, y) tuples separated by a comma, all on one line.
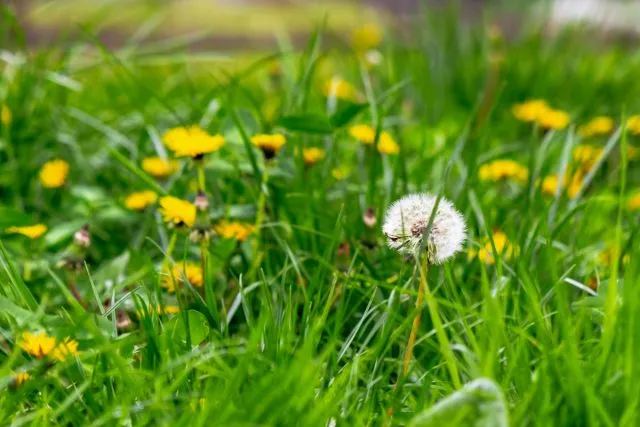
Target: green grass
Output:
[(294, 330)]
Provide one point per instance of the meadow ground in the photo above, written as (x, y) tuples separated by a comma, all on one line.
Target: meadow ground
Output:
[(196, 239)]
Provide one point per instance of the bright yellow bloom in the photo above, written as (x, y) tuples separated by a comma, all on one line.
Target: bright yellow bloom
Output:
[(54, 173), (553, 119), (600, 125), (312, 155), (177, 212), (174, 278), (270, 144), (38, 345), (550, 183), (234, 230), (5, 115), (140, 200), (339, 88), (587, 155), (485, 253), (159, 167), (367, 135), (529, 111), (171, 309), (20, 378), (363, 133), (192, 141), (633, 204), (366, 37), (503, 169), (387, 145), (340, 173), (67, 348), (633, 124), (31, 231)]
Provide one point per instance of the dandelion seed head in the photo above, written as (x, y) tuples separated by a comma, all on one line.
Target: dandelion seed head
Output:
[(407, 220)]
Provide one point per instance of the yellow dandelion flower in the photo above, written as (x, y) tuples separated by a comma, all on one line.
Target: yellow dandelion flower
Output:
[(54, 173), (529, 111), (501, 169), (587, 155), (553, 119), (633, 152), (177, 212), (312, 155), (633, 124), (340, 173), (633, 204), (31, 231), (20, 378), (5, 115), (387, 145), (607, 255), (159, 167), (38, 345), (67, 348), (339, 88), (192, 141), (600, 125), (174, 278), (366, 37), (502, 244), (270, 144), (550, 183), (171, 309), (363, 133), (234, 230), (140, 200)]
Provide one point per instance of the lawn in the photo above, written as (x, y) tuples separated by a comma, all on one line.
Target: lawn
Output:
[(195, 237)]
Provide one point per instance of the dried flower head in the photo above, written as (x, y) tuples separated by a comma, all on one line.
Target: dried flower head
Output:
[(369, 218), (407, 220), (31, 231), (140, 200), (159, 167), (192, 142), (82, 237), (54, 173), (177, 212)]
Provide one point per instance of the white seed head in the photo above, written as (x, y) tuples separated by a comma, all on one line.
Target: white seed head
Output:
[(406, 222)]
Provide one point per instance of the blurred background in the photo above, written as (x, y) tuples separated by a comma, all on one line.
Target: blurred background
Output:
[(257, 24)]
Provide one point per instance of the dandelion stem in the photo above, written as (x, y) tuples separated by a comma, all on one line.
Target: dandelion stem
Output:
[(169, 251), (259, 219), (408, 355), (201, 176)]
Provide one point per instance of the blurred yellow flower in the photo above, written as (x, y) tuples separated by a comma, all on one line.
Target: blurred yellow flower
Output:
[(5, 115), (600, 125), (550, 183), (633, 124), (31, 231), (312, 155), (607, 255), (159, 167), (234, 230), (553, 119), (20, 378), (269, 144), (587, 155), (38, 345), (140, 200), (633, 204), (502, 244), (500, 169), (174, 278), (363, 133), (54, 173), (340, 173), (192, 141), (529, 111), (177, 212), (65, 349), (170, 309), (339, 88), (367, 136), (366, 37)]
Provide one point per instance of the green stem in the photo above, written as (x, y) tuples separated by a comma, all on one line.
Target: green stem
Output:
[(170, 247), (259, 219), (201, 176)]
